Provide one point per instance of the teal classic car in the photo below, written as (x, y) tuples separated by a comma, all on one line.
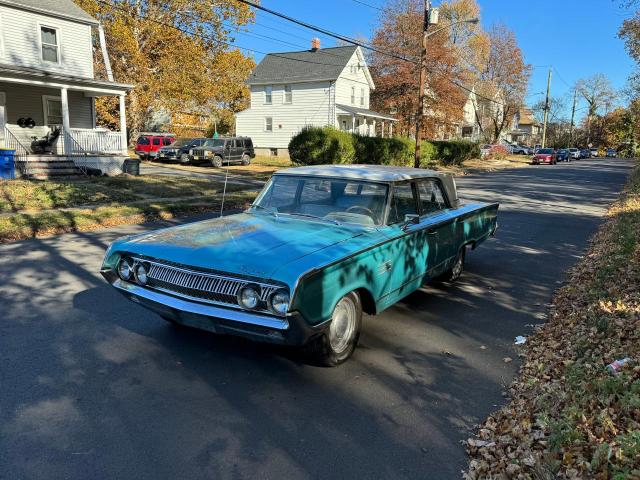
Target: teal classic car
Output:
[(319, 246)]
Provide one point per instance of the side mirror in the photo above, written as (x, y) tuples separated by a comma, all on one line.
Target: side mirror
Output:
[(410, 219)]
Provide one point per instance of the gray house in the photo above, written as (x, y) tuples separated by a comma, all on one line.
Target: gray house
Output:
[(47, 84)]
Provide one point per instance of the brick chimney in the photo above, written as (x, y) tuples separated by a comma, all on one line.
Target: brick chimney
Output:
[(315, 44)]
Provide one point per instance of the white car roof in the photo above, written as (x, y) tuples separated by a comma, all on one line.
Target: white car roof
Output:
[(376, 173)]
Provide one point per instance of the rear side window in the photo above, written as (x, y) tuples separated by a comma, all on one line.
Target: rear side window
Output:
[(143, 141), (403, 203), (156, 141), (431, 197)]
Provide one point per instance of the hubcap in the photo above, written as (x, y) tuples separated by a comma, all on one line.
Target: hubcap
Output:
[(343, 325)]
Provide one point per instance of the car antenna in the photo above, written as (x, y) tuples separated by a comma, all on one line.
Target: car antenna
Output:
[(224, 190)]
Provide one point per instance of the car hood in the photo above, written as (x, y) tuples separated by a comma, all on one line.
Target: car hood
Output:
[(248, 244)]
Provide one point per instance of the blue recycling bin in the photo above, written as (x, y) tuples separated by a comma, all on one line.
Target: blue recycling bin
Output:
[(7, 163)]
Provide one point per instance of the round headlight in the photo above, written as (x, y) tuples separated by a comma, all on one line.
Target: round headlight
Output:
[(249, 297), (141, 274), (280, 302), (124, 269)]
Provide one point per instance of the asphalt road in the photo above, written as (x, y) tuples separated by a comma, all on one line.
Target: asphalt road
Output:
[(95, 387)]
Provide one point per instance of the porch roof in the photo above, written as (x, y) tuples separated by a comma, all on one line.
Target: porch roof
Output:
[(34, 76), (363, 112)]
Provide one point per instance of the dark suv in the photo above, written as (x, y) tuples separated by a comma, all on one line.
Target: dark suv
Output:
[(225, 150), (180, 150)]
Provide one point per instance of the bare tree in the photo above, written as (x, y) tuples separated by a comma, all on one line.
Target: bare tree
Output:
[(599, 94)]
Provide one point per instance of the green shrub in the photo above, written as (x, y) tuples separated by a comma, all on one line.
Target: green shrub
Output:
[(317, 146), (455, 152), (384, 151), (326, 145)]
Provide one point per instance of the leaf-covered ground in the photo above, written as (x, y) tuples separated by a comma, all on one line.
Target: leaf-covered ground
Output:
[(568, 417)]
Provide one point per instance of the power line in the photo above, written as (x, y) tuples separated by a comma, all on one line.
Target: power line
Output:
[(368, 5)]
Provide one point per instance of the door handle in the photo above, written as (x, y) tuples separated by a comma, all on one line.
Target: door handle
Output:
[(432, 232)]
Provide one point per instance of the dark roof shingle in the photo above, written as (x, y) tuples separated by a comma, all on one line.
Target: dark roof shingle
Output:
[(307, 65), (64, 8)]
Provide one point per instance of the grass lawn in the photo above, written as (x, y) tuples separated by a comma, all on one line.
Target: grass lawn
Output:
[(568, 417), (31, 208)]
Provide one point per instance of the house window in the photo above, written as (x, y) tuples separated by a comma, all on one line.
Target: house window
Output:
[(49, 43), (268, 94), (353, 95), (362, 97), (268, 124), (52, 110), (288, 95)]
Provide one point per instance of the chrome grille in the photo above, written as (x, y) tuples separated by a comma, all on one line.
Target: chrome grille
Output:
[(203, 286)]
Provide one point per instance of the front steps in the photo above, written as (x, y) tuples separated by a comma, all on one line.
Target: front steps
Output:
[(46, 167)]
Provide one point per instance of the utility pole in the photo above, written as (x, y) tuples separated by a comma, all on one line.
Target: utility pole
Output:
[(546, 111), (573, 116), (423, 81)]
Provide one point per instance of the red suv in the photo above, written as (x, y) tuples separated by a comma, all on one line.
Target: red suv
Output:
[(148, 144)]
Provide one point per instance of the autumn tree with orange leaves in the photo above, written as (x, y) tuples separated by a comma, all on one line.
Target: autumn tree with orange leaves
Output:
[(460, 59), (176, 53)]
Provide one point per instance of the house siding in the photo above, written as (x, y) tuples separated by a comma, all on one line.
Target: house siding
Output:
[(310, 107), (20, 31), (357, 80)]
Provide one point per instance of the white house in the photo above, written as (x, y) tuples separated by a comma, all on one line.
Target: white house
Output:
[(316, 87), (47, 82)]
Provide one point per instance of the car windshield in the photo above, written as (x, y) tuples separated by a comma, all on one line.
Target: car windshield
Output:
[(562, 151), (329, 199), (545, 151), (214, 142)]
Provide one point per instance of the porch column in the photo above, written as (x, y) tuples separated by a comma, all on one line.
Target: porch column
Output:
[(66, 125), (353, 124), (123, 125), (373, 127), (390, 129), (382, 130)]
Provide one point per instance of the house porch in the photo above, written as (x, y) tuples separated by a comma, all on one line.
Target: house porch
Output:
[(33, 106), (364, 122)]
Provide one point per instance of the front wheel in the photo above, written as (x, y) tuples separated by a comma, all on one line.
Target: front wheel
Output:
[(216, 161), (339, 341), (246, 159), (184, 158)]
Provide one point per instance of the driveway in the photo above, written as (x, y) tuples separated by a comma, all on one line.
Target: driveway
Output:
[(93, 386)]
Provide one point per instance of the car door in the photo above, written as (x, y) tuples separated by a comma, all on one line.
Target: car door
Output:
[(406, 255), (439, 227)]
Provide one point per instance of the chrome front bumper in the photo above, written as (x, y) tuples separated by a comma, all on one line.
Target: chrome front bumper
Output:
[(289, 330)]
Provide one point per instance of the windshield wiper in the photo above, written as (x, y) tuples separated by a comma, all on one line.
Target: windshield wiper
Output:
[(335, 222), (270, 210)]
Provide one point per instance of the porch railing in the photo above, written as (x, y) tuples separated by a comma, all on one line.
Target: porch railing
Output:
[(20, 158), (97, 141)]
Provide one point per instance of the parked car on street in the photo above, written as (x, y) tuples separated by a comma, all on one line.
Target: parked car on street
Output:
[(574, 153), (585, 153), (545, 155), (320, 246), (520, 150), (180, 150), (148, 144), (611, 153), (562, 155), (219, 151), (594, 152)]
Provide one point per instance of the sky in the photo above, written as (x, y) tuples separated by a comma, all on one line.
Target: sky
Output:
[(577, 38)]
